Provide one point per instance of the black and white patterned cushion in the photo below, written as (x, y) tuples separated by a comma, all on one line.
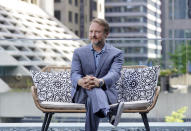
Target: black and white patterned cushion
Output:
[(133, 85), (137, 84), (53, 86)]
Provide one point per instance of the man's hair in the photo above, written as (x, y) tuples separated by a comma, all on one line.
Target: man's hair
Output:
[(103, 23)]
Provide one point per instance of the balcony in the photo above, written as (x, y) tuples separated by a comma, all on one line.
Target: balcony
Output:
[(17, 109)]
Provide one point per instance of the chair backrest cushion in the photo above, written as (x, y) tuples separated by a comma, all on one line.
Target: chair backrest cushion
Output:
[(53, 86), (137, 84)]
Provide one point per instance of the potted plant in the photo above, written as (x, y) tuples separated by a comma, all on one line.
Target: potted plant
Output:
[(165, 75)]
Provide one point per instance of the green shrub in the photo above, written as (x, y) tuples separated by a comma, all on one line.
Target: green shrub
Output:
[(168, 72), (177, 116)]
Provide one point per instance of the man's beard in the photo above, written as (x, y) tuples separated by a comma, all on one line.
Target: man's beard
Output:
[(99, 43)]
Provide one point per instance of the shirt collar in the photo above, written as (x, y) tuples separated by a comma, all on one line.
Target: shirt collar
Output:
[(102, 50)]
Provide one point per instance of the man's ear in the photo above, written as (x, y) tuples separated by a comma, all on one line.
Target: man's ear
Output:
[(106, 35)]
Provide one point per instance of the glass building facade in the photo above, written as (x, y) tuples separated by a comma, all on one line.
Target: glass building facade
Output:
[(131, 20), (176, 25)]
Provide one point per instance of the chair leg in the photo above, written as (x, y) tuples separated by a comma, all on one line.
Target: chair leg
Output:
[(145, 121), (46, 122)]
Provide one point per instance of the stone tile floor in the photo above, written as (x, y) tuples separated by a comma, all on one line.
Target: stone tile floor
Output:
[(155, 126)]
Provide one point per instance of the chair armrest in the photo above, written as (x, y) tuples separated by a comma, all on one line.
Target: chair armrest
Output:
[(35, 98), (157, 91), (34, 93), (49, 68)]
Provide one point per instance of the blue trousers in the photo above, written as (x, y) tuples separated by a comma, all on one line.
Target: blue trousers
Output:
[(95, 102)]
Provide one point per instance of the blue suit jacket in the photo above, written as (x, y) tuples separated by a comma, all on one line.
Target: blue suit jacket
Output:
[(109, 68)]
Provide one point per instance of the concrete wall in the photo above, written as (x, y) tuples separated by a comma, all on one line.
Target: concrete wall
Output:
[(17, 104)]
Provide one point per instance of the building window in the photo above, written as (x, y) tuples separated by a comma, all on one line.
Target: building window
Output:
[(180, 9), (76, 32), (76, 18), (57, 1), (70, 2), (34, 2), (95, 5), (189, 9), (57, 14), (170, 10), (76, 2), (70, 16)]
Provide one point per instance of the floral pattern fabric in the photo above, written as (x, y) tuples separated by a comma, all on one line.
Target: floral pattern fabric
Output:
[(53, 86), (137, 84), (133, 85)]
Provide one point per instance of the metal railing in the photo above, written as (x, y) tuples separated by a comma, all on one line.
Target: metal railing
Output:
[(19, 56)]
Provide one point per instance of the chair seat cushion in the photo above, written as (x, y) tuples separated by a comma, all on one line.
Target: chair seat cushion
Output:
[(137, 105), (62, 105), (134, 105)]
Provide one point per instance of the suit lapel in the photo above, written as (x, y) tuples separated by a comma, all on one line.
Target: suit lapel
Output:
[(90, 60)]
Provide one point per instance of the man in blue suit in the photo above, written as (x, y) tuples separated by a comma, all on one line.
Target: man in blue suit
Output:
[(95, 70)]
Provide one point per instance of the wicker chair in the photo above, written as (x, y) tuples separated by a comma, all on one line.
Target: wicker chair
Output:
[(55, 104)]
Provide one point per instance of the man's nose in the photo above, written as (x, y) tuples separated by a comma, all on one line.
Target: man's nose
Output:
[(93, 33)]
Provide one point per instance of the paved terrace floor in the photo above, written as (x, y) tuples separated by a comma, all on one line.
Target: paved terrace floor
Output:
[(155, 126)]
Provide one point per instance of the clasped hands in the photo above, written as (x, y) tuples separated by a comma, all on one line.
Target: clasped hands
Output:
[(89, 82)]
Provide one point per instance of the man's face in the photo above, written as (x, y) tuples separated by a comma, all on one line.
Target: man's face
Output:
[(97, 34)]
